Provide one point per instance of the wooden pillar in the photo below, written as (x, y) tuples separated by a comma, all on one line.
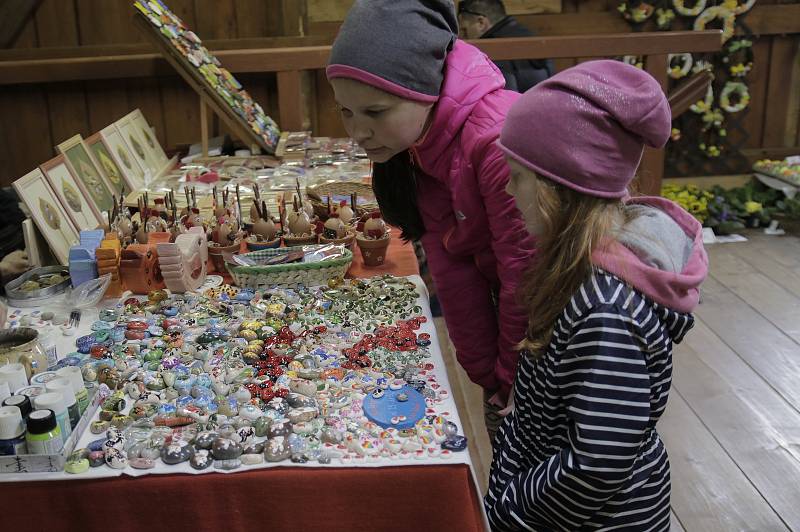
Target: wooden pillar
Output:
[(290, 100), (204, 126), (651, 170)]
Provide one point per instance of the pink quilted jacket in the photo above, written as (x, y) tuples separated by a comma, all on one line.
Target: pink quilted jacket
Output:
[(476, 242)]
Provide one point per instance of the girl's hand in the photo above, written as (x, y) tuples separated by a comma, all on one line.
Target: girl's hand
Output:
[(506, 408)]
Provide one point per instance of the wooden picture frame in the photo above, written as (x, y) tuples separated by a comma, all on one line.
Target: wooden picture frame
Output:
[(69, 194), (83, 167), (150, 140), (136, 144), (48, 214), (102, 155), (122, 155)]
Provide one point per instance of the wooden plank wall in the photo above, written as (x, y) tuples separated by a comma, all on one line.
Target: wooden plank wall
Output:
[(35, 118)]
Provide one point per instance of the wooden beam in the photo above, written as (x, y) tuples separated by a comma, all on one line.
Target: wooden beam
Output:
[(14, 15), (762, 20), (290, 101), (689, 92), (601, 45), (316, 57), (651, 169)]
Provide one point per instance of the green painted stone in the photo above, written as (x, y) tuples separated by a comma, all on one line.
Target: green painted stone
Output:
[(76, 467)]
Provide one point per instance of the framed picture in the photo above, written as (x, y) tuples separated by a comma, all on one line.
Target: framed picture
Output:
[(69, 193), (136, 144), (50, 217), (88, 177), (150, 140), (122, 155), (107, 163)]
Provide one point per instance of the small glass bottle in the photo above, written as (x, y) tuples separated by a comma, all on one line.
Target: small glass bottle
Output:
[(44, 434), (22, 402), (55, 401), (12, 431)]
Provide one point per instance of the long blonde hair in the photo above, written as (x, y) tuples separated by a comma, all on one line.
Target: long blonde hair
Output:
[(572, 226)]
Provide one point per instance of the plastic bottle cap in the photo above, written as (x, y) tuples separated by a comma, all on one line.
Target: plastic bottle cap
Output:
[(22, 402), (41, 421), (63, 386), (73, 373), (50, 401), (11, 424)]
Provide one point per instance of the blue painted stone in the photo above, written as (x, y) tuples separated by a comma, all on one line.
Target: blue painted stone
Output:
[(245, 295), (117, 334), (423, 343), (85, 343), (382, 410), (102, 325), (155, 330), (96, 445), (455, 444), (170, 311)]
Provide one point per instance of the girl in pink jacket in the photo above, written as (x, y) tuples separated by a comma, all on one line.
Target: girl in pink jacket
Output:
[(428, 109)]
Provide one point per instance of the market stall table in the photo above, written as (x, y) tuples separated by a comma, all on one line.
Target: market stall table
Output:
[(433, 495)]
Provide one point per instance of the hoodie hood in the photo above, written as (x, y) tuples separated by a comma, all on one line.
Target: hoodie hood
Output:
[(469, 75), (659, 252)]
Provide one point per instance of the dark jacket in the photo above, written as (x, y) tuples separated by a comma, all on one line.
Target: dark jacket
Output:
[(521, 74)]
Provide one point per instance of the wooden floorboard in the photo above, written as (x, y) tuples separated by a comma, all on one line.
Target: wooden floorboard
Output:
[(754, 425), (772, 354), (709, 492)]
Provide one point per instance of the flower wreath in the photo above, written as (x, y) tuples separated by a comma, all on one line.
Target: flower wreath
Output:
[(679, 65), (636, 13), (739, 57), (711, 142), (737, 8), (704, 105), (664, 18), (721, 12), (693, 11), (742, 97)]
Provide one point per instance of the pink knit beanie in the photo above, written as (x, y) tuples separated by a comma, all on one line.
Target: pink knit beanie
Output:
[(586, 127)]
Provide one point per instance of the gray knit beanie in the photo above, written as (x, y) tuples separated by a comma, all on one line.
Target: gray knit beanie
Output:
[(398, 46)]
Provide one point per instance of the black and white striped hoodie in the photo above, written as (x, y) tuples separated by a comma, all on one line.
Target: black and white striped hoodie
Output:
[(580, 451)]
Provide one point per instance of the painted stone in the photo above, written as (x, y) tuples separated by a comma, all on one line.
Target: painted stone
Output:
[(252, 459), (456, 444), (255, 448), (302, 414), (97, 458), (279, 428), (205, 439), (176, 452), (201, 459), (262, 425), (226, 449), (277, 450), (142, 463), (116, 458)]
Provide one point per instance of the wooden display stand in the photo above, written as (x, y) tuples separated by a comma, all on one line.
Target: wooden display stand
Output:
[(207, 95)]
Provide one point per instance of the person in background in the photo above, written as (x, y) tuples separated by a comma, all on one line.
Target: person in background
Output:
[(487, 19), (12, 243), (613, 288)]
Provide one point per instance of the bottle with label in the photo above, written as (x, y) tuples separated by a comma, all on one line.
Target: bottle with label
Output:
[(55, 401), (63, 386), (44, 435), (12, 431), (22, 402), (73, 373)]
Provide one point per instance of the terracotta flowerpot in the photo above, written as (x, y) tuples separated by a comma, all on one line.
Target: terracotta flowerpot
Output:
[(347, 240), (215, 253), (373, 251), (303, 240)]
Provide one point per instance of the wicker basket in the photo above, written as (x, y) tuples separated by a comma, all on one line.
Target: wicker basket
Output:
[(341, 188), (308, 274)]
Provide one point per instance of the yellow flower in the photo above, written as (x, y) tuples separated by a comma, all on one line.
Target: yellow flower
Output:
[(752, 207), (730, 4)]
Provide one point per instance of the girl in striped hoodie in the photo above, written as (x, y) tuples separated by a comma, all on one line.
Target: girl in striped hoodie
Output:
[(612, 288)]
